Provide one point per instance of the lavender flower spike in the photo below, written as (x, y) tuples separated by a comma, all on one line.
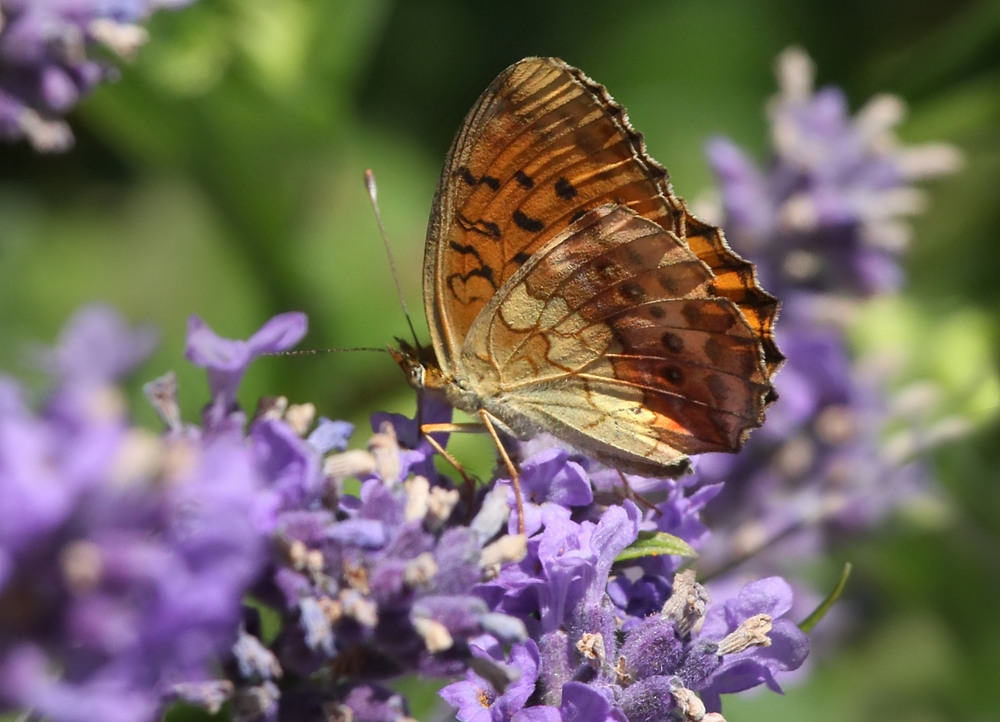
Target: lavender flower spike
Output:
[(123, 556), (47, 60), (826, 212), (823, 220)]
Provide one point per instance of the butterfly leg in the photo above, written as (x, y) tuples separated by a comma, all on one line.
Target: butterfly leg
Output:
[(470, 486), (514, 476), (427, 429), (629, 493)]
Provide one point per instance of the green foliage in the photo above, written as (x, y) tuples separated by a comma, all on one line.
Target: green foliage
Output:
[(654, 544), (810, 622)]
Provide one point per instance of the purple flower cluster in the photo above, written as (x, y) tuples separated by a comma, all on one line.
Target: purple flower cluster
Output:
[(48, 59), (128, 559), (591, 657), (823, 223), (123, 555), (824, 215)]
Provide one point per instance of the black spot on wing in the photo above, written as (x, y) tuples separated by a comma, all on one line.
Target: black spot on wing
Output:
[(524, 180), (672, 342), (672, 375), (632, 292), (468, 178), (466, 175), (456, 281), (565, 189), (527, 223)]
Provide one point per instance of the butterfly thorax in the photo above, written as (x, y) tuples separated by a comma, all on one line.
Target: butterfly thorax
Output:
[(424, 373)]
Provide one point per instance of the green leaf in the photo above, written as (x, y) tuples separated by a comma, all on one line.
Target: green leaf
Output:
[(812, 620), (654, 544)]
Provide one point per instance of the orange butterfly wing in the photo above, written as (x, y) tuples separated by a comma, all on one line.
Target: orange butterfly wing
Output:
[(611, 338), (546, 153)]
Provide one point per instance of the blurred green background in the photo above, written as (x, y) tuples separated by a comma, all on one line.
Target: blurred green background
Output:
[(222, 175)]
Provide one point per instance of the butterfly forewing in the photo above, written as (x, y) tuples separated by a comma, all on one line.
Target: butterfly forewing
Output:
[(543, 145)]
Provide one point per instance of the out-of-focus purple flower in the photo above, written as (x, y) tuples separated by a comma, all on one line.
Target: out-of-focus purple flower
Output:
[(48, 60), (824, 215), (126, 555), (98, 345), (330, 435), (823, 222)]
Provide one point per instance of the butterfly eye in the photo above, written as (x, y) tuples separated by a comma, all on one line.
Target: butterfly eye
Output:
[(417, 375)]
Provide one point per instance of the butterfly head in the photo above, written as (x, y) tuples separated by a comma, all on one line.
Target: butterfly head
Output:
[(418, 363)]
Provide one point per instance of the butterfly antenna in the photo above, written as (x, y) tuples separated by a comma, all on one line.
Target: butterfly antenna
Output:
[(373, 196), (317, 351)]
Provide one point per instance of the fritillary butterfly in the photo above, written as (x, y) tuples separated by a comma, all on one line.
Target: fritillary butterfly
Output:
[(568, 290)]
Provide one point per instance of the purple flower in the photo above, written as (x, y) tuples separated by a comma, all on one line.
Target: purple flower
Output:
[(98, 345), (743, 669), (824, 214), (127, 555), (227, 359), (551, 483), (414, 452), (822, 222), (476, 699), (47, 59)]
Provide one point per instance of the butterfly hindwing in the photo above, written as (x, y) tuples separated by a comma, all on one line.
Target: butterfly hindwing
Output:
[(616, 318)]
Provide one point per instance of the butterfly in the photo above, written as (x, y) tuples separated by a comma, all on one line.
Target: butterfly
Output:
[(569, 291)]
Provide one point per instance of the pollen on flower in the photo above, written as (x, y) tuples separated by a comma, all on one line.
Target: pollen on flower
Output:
[(385, 449), (436, 636), (417, 490), (124, 39), (751, 633), (361, 609), (689, 705), (420, 571), (687, 603), (313, 563), (141, 456), (356, 577), (332, 609), (508, 548), (355, 462), (591, 646), (300, 417), (440, 505), (81, 566)]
